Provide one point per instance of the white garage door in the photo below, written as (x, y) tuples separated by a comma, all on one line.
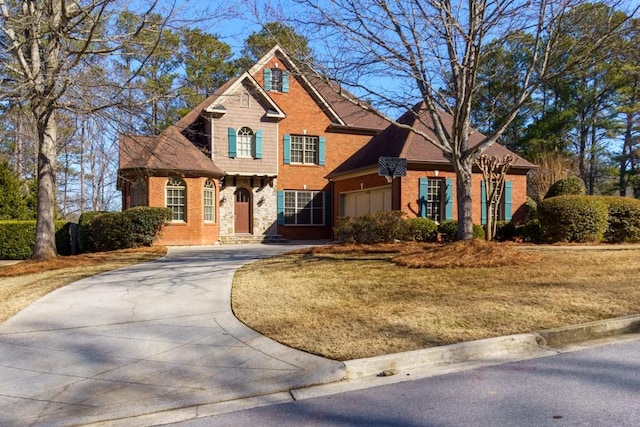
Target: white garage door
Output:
[(362, 202)]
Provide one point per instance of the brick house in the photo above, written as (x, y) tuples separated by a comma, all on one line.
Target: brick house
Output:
[(275, 154), (428, 189)]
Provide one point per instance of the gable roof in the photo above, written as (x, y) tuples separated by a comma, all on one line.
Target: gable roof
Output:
[(344, 115), (397, 141), (218, 97), (168, 152)]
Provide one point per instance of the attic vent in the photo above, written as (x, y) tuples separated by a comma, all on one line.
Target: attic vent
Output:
[(216, 109)]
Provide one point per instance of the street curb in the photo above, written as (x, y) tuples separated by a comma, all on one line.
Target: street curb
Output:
[(566, 335), (491, 348)]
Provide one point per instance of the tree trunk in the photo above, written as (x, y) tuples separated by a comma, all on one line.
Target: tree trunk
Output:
[(45, 247), (463, 196)]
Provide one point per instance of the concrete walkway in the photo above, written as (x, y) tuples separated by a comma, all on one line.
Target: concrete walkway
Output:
[(144, 339)]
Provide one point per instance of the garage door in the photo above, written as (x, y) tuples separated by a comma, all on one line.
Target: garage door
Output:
[(362, 202)]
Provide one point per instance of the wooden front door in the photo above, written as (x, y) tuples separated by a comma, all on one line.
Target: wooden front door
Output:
[(243, 211)]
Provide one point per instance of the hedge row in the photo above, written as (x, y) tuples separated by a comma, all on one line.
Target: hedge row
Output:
[(97, 231), (108, 231), (17, 238), (388, 226), (590, 219)]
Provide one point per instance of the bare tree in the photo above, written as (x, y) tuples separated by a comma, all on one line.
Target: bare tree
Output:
[(51, 53), (552, 167), (394, 53), (494, 170)]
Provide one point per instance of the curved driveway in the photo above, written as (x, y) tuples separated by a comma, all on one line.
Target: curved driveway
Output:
[(144, 339)]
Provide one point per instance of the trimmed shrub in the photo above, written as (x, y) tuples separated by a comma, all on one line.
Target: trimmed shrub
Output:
[(623, 224), (63, 238), (448, 231), (372, 228), (17, 238), (109, 231), (146, 224), (573, 219), (531, 208), (570, 186), (530, 232), (505, 231), (86, 242), (422, 229)]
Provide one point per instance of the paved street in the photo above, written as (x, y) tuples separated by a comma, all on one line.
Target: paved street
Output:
[(595, 387)]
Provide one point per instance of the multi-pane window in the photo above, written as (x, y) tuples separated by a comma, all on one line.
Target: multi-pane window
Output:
[(435, 191), (176, 200), (245, 142), (304, 149), (208, 198), (303, 208), (138, 193), (276, 80)]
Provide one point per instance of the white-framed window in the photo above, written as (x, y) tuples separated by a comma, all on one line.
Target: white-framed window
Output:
[(176, 198), (304, 149), (208, 201), (304, 208), (435, 199), (246, 142), (276, 80)]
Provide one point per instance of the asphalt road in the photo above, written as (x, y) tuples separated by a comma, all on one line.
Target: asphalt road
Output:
[(594, 387)]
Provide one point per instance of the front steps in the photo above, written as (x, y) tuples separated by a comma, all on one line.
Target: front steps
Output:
[(238, 239)]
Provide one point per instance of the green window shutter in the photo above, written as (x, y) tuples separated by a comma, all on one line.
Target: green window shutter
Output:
[(448, 207), (286, 142), (267, 79), (232, 142), (423, 190), (280, 207), (285, 81), (321, 148), (483, 203), (258, 144), (328, 212), (507, 201)]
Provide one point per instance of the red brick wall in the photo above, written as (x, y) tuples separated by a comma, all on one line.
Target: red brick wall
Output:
[(194, 231), (409, 191), (304, 114)]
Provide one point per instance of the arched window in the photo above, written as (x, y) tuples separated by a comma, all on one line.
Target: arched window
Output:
[(246, 142), (138, 193), (176, 199), (208, 198)]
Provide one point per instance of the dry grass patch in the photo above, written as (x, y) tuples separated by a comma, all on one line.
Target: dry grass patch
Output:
[(348, 305), (25, 282), (468, 254)]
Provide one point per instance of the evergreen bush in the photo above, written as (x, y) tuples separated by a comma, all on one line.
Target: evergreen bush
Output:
[(86, 242), (448, 231), (17, 238), (573, 219), (372, 228), (530, 231), (505, 231), (623, 224), (570, 186), (108, 231), (422, 229)]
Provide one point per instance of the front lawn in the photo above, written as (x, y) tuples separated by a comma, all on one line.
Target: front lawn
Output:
[(353, 302)]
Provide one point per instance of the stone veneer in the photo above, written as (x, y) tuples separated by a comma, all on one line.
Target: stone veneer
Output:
[(264, 206)]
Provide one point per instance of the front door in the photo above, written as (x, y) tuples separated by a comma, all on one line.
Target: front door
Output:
[(243, 211)]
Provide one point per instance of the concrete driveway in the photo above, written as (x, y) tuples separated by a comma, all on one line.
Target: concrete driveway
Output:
[(142, 340)]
